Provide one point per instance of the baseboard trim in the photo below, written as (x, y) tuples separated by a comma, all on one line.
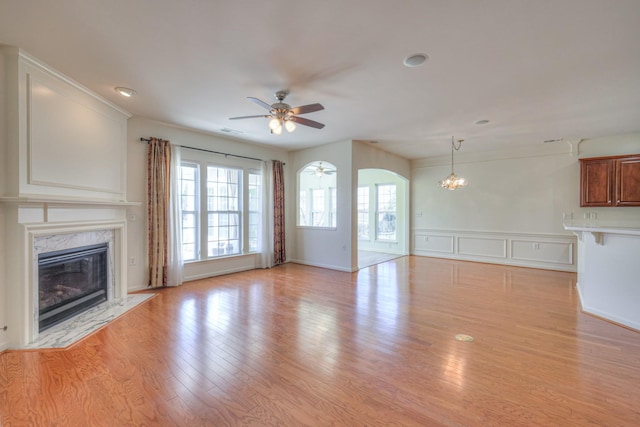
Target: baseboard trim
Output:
[(327, 266)]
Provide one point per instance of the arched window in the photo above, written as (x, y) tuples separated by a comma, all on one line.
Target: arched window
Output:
[(317, 194)]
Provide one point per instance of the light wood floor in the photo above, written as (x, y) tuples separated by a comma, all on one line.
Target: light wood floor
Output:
[(300, 345)]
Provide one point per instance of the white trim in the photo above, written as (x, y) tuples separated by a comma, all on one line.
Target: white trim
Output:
[(327, 266), (47, 69), (216, 273)]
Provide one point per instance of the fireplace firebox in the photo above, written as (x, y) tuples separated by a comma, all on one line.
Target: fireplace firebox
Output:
[(71, 281)]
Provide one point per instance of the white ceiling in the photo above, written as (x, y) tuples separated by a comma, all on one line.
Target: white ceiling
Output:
[(537, 69)]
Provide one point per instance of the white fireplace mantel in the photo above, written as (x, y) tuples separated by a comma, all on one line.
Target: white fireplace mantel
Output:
[(64, 201)]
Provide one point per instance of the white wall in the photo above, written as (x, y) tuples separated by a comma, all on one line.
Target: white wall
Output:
[(513, 209), (367, 156), (329, 248), (137, 191)]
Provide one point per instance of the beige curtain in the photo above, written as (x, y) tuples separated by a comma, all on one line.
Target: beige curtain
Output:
[(158, 184), (279, 253)]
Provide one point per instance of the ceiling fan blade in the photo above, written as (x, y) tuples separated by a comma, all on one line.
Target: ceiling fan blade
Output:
[(248, 117), (307, 122), (259, 102), (307, 109)]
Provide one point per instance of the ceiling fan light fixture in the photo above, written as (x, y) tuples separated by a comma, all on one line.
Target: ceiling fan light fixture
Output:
[(274, 123), (290, 125), (281, 115)]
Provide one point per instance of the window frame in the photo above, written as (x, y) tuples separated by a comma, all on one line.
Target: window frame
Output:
[(202, 163), (378, 211)]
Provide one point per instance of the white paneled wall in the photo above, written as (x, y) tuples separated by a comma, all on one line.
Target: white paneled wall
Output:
[(555, 252), (65, 172)]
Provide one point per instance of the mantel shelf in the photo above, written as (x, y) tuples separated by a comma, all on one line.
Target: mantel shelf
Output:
[(62, 201)]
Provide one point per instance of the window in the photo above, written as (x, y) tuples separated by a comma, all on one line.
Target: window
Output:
[(188, 194), (363, 213), (223, 210), (317, 195), (386, 212), (254, 210), (214, 223)]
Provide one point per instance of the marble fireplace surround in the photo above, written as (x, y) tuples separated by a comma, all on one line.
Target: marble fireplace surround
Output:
[(58, 242), (42, 238)]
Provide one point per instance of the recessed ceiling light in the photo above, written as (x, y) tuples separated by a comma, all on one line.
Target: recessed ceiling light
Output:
[(415, 60), (125, 91), (227, 130), (482, 122)]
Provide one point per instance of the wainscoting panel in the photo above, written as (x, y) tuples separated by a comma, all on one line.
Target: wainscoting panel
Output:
[(560, 252), (482, 246), (433, 242), (547, 251)]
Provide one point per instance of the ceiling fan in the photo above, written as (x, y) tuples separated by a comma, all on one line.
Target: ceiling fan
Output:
[(319, 170), (283, 116)]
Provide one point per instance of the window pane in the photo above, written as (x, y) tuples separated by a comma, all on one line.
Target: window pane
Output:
[(387, 198), (223, 203), (386, 202), (254, 212), (332, 207), (386, 226), (317, 208), (303, 215), (363, 213), (188, 200)]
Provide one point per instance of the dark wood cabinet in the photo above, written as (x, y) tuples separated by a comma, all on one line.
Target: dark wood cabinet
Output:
[(610, 181)]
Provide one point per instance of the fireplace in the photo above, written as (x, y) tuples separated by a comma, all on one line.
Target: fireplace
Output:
[(71, 281)]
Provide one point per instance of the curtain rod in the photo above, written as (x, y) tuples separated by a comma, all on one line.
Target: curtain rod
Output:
[(212, 151)]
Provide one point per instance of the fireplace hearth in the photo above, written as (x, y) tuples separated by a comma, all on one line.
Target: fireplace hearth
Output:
[(71, 281)]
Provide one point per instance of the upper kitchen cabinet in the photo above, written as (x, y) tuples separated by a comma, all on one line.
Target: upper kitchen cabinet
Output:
[(610, 181)]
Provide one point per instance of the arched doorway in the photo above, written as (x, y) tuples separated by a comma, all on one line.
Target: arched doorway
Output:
[(382, 216)]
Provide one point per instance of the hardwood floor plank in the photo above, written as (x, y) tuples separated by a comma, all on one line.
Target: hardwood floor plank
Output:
[(299, 345)]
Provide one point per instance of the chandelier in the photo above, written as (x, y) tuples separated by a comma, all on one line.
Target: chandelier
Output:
[(453, 182)]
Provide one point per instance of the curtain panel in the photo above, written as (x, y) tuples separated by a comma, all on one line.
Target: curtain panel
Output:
[(279, 253), (176, 264), (158, 210)]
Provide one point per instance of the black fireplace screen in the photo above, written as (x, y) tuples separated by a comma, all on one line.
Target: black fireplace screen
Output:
[(71, 281)]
